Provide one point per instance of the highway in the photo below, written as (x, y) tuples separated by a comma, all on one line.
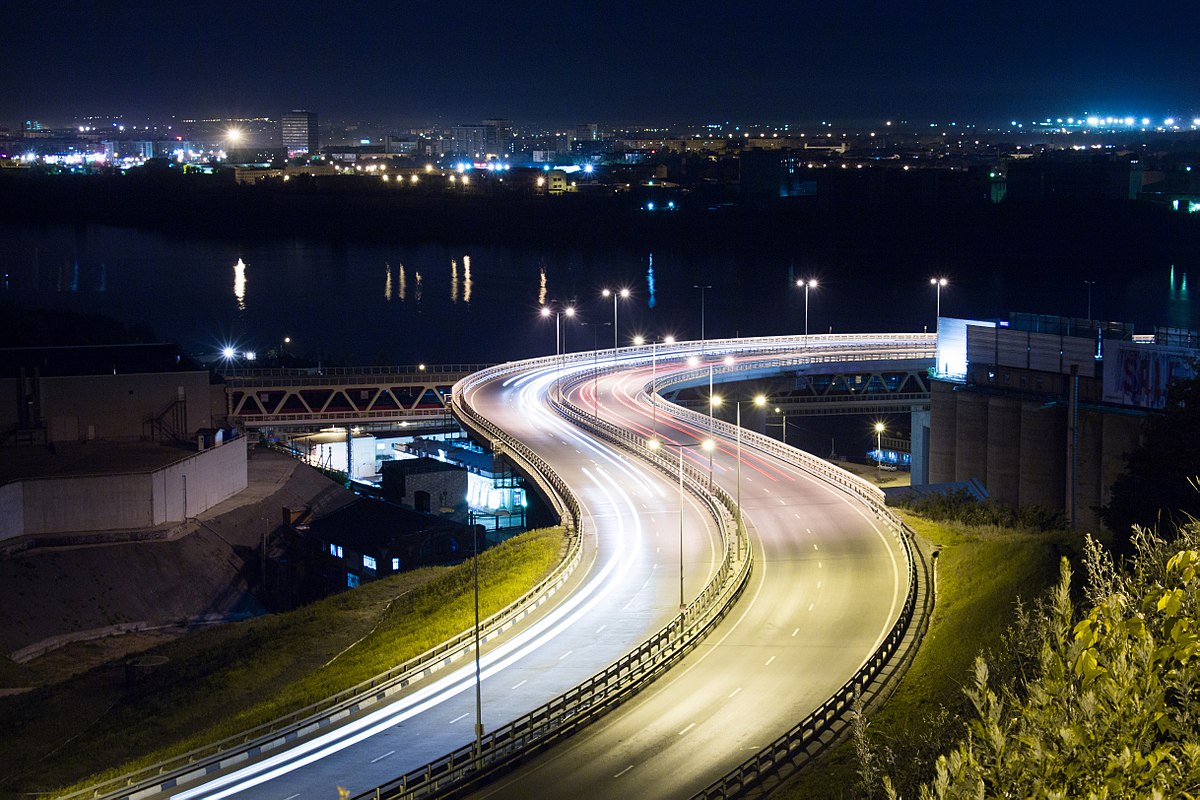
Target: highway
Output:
[(827, 585), (629, 587)]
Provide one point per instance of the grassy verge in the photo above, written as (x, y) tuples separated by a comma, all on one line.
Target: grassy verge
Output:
[(981, 572), (222, 681)]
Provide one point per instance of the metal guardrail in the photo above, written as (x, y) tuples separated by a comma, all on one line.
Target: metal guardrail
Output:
[(601, 692), (417, 370), (285, 729)]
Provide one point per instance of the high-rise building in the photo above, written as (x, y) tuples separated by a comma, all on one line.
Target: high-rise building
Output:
[(299, 130)]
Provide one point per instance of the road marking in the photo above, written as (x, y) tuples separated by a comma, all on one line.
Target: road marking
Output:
[(735, 693), (292, 797), (781, 502), (688, 728), (814, 545), (768, 491), (564, 655), (810, 606), (819, 565), (818, 584), (795, 632), (456, 719), (373, 760), (602, 627), (769, 660), (797, 516), (519, 685), (622, 772)]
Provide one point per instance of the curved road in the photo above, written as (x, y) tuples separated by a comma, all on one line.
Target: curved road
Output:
[(828, 584)]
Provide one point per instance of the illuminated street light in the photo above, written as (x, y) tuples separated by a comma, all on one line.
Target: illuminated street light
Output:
[(623, 293), (559, 342), (879, 429), (655, 444), (811, 283), (938, 283)]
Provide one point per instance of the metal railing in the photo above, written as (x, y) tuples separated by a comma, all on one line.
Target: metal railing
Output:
[(606, 689), (287, 728)]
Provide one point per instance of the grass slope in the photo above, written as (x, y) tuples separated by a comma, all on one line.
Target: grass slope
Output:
[(221, 681), (981, 571)]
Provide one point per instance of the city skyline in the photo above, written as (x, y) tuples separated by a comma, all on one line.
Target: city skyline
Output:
[(619, 62)]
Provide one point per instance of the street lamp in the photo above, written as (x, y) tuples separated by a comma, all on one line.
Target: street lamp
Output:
[(811, 283), (879, 429), (708, 445), (938, 283), (624, 293), (782, 424), (595, 366), (478, 679), (759, 400), (559, 338)]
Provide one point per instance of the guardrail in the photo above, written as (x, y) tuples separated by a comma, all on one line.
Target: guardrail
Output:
[(169, 773), (501, 748)]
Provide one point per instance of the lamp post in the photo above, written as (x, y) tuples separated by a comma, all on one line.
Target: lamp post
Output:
[(811, 283), (879, 429), (624, 293), (595, 365), (759, 400), (559, 339), (478, 680), (701, 288), (938, 283), (655, 444), (782, 424)]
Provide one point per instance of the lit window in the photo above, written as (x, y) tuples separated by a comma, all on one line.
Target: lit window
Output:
[(395, 565), (336, 550), (352, 580), (369, 562)]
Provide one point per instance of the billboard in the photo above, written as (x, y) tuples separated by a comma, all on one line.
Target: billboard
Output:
[(1140, 374)]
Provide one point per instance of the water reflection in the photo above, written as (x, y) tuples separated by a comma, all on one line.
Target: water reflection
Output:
[(541, 285), (402, 289), (1180, 313), (239, 284), (650, 283), (387, 282), (417, 289), (453, 281), (466, 279)]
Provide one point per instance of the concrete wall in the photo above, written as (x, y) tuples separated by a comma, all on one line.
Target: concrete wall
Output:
[(971, 441), (114, 407), (1003, 449), (122, 502), (1043, 465), (919, 470), (943, 432), (87, 503)]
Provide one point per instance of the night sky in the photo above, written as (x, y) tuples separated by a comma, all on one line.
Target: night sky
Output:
[(651, 62)]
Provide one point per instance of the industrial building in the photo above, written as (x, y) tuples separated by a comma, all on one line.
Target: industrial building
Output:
[(1042, 410)]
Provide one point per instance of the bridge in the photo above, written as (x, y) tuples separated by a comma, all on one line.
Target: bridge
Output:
[(307, 399), (784, 565)]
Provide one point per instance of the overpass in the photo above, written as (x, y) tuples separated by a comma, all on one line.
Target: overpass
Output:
[(819, 556), (307, 399)]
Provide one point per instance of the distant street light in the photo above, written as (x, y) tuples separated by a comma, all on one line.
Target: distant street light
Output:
[(879, 429), (559, 339), (759, 400), (938, 283), (811, 283), (624, 293)]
